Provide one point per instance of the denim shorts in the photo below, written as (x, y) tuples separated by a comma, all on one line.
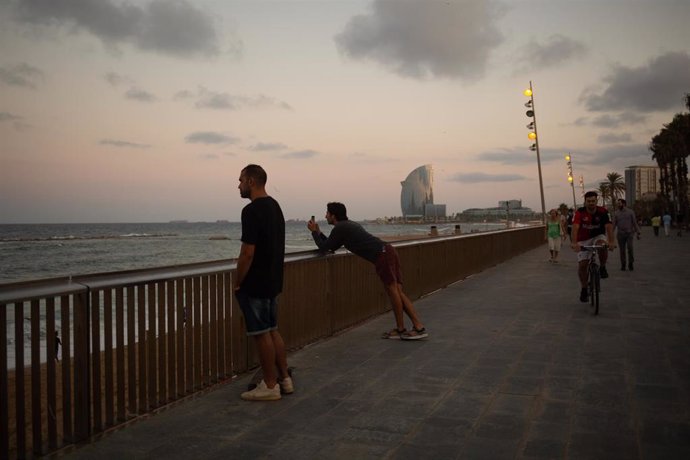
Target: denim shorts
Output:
[(260, 315)]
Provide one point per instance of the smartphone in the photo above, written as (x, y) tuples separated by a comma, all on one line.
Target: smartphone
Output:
[(312, 219)]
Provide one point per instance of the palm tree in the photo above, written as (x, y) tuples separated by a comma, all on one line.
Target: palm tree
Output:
[(661, 152), (670, 148), (603, 192), (616, 187), (680, 129)]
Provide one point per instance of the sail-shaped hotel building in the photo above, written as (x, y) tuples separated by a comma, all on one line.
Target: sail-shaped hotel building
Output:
[(417, 195)]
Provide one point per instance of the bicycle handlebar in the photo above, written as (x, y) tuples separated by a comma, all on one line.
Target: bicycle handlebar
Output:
[(596, 246)]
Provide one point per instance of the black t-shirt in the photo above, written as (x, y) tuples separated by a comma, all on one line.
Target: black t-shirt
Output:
[(263, 226)]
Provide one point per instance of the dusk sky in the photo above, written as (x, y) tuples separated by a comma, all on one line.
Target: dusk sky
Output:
[(146, 111)]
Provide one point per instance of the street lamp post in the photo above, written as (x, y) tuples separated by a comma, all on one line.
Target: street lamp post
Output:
[(535, 147), (568, 158)]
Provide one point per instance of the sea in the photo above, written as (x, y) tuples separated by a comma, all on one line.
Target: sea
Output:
[(38, 251), (30, 252)]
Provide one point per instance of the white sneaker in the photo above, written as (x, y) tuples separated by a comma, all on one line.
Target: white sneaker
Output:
[(262, 393), (414, 334), (286, 386)]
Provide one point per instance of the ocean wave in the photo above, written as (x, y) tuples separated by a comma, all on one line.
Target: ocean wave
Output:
[(14, 239), (147, 235)]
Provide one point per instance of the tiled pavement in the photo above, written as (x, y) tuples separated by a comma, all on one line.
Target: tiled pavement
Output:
[(515, 367)]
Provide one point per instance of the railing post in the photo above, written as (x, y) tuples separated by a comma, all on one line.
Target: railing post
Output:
[(4, 407), (36, 425), (82, 366), (19, 388)]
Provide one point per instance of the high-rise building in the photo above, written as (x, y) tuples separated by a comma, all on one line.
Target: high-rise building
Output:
[(641, 181), (417, 195)]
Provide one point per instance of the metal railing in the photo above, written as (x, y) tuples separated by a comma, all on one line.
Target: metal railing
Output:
[(104, 349)]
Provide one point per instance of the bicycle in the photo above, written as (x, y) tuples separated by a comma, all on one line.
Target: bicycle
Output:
[(594, 276)]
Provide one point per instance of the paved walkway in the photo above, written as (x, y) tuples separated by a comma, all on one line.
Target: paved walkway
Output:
[(515, 367)]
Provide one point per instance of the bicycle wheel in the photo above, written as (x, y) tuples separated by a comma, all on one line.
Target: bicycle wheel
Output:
[(593, 287), (597, 289), (590, 284)]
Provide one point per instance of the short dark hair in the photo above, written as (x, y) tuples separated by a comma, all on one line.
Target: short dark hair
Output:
[(338, 210), (591, 193), (257, 173), (622, 200)]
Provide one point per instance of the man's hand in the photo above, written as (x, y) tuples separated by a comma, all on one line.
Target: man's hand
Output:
[(575, 246), (313, 226), (612, 245)]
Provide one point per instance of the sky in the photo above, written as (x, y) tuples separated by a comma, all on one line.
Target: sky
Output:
[(146, 111)]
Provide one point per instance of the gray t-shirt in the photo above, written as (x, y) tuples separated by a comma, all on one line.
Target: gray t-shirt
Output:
[(624, 220), (355, 239)]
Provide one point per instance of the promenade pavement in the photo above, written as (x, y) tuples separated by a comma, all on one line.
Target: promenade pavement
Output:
[(515, 367)]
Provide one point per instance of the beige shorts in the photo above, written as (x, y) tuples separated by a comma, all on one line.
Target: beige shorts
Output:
[(555, 244)]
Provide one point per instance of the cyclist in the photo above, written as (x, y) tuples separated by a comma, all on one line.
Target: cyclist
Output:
[(591, 226)]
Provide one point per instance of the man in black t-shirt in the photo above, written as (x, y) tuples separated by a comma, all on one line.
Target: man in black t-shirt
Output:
[(259, 280)]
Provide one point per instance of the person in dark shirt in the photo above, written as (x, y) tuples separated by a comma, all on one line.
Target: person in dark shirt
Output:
[(259, 280), (625, 224), (569, 222), (591, 226), (384, 257)]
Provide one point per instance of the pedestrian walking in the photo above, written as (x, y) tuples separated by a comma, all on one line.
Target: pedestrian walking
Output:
[(667, 223), (259, 280), (656, 222), (384, 257), (569, 222), (626, 228), (556, 233)]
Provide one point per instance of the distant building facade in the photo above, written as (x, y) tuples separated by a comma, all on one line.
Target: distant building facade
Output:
[(434, 211), (512, 208), (641, 182), (511, 204), (417, 196)]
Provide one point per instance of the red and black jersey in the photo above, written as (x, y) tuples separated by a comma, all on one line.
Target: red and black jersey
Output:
[(591, 225)]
